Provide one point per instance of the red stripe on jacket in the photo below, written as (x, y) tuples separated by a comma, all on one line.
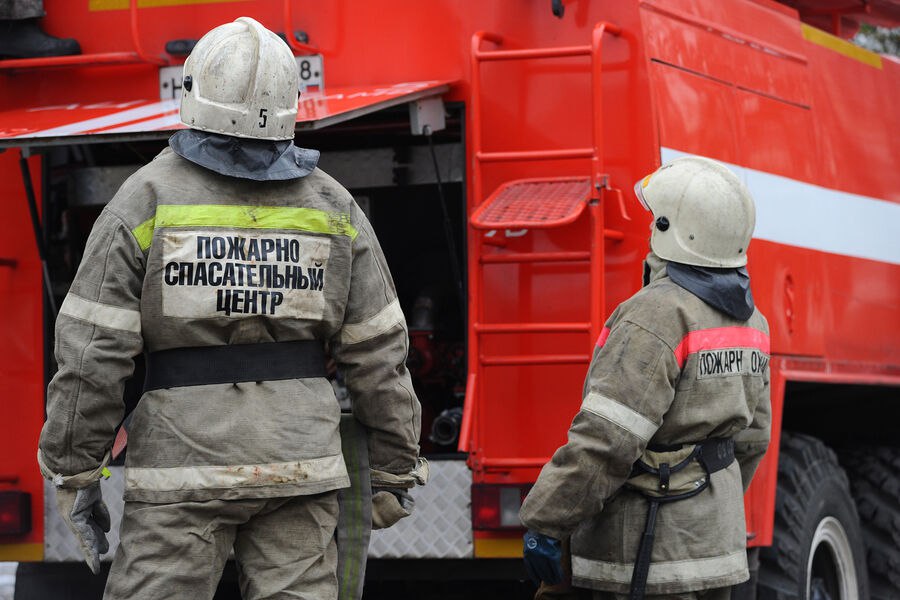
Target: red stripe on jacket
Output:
[(719, 338), (604, 334)]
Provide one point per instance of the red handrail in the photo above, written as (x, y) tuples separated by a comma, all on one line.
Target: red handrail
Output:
[(598, 285), (138, 55), (136, 39), (470, 406), (465, 428), (296, 46)]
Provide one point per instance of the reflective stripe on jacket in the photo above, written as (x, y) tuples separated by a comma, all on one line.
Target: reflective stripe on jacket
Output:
[(185, 257), (667, 370)]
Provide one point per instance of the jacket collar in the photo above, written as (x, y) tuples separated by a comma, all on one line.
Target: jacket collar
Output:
[(259, 160), (726, 290)]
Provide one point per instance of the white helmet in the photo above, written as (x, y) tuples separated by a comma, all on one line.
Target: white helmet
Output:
[(702, 214), (241, 80)]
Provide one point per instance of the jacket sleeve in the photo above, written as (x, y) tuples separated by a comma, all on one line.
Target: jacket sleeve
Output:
[(629, 387), (370, 350), (750, 444), (98, 333)]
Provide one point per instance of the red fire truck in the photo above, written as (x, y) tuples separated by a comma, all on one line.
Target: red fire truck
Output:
[(494, 145)]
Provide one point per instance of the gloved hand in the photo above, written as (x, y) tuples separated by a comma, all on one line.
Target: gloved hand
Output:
[(389, 505), (543, 558), (86, 514)]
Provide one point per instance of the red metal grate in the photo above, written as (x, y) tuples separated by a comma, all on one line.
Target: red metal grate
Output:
[(533, 203)]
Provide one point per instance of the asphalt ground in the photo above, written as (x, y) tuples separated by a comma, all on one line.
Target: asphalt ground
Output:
[(63, 582)]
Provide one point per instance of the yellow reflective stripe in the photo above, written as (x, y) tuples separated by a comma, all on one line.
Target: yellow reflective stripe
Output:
[(618, 414), (94, 5), (848, 49), (387, 317), (167, 479), (143, 233), (102, 315), (684, 573), (244, 217), (254, 217)]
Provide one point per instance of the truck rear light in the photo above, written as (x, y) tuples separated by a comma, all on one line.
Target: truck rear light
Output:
[(497, 506), (15, 513)]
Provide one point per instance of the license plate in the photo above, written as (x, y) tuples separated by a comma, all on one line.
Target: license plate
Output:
[(312, 73), (170, 79)]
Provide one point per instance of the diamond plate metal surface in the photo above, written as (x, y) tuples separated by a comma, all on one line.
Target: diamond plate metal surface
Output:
[(59, 543), (440, 526)]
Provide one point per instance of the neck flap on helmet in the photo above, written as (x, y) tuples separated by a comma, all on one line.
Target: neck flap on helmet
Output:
[(727, 290), (259, 160)]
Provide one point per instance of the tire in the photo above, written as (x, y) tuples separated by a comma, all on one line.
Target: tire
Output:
[(817, 552), (874, 473)]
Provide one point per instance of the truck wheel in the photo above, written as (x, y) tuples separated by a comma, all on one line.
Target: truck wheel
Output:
[(817, 551), (874, 473)]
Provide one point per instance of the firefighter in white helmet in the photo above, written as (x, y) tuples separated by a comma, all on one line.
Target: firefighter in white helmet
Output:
[(233, 264), (648, 491)]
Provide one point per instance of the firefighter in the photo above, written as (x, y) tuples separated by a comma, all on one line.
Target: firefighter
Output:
[(22, 37), (647, 493), (230, 261)]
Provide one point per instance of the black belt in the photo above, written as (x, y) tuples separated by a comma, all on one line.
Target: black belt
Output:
[(713, 455), (234, 363)]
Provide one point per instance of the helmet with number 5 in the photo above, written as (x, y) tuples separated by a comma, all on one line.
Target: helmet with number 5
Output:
[(241, 80), (703, 215)]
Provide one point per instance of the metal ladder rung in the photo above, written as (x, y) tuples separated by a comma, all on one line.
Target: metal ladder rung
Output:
[(536, 359), (526, 257), (559, 52), (75, 60), (532, 327), (513, 155)]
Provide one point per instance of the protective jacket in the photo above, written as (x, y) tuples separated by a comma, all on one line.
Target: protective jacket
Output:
[(184, 257), (668, 371)]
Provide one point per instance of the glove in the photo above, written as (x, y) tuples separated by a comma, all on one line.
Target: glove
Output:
[(87, 517), (389, 505), (543, 558)]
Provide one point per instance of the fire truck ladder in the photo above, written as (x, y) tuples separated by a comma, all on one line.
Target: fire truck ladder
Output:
[(533, 204)]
